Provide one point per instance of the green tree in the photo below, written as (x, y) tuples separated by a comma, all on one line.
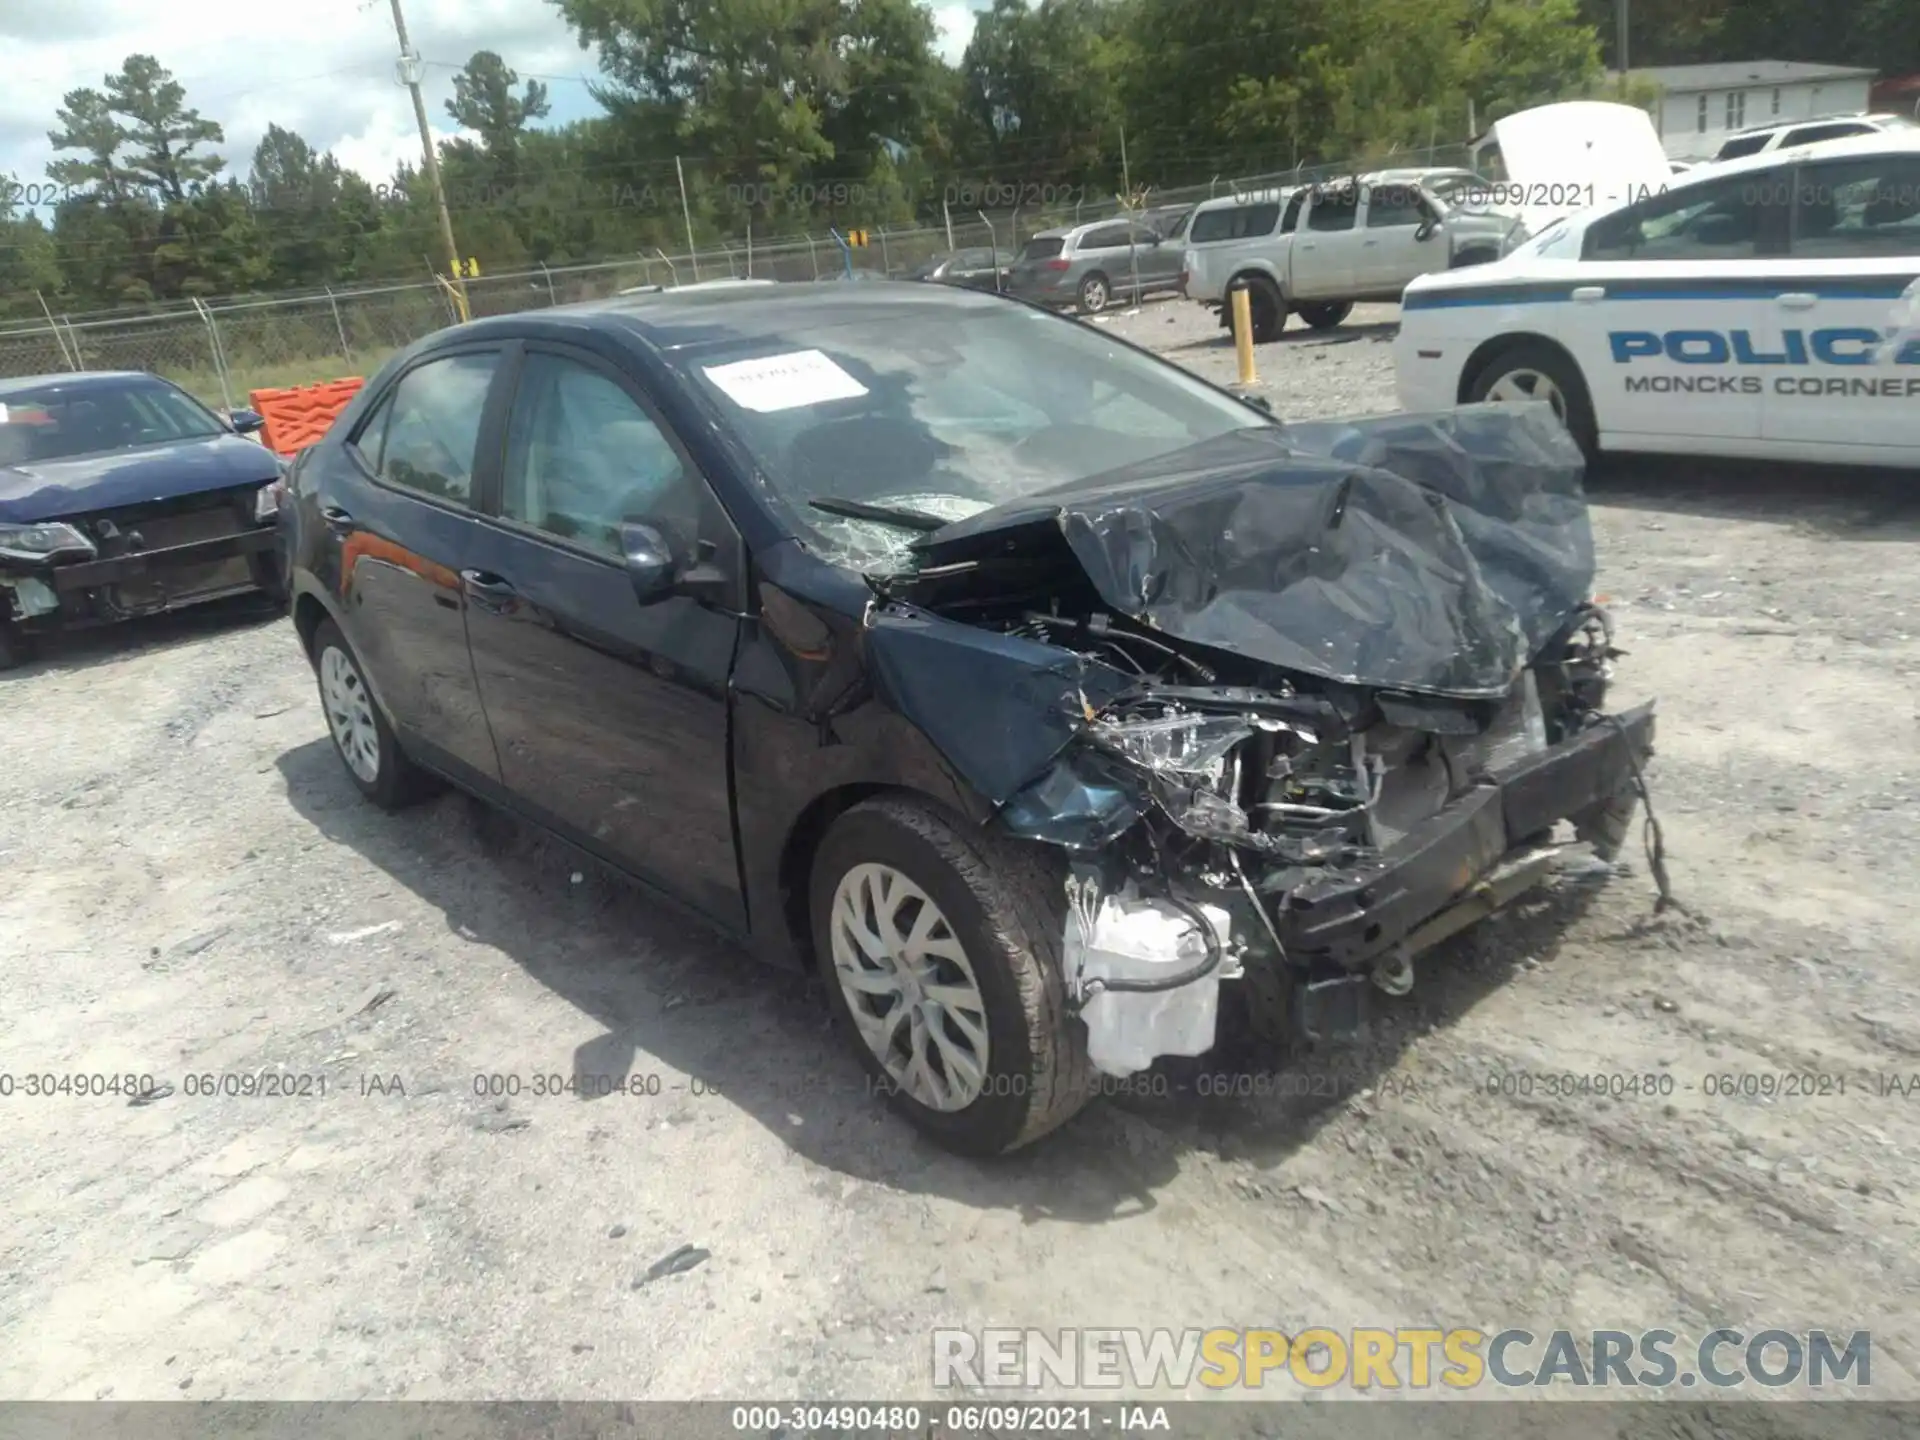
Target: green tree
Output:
[(166, 131), (88, 125)]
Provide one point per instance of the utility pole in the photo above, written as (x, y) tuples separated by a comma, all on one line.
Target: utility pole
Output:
[(1126, 176), (409, 72)]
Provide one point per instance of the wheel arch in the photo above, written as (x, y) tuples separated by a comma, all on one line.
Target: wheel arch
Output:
[(803, 840), (1490, 351)]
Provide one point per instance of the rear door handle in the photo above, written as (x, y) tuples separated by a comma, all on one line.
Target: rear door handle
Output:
[(338, 520), (1798, 300), (1587, 294)]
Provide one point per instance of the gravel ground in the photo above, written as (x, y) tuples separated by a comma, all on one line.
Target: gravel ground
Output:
[(194, 889)]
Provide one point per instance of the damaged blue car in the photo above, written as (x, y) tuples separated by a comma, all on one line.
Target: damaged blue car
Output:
[(1047, 700), (121, 495)]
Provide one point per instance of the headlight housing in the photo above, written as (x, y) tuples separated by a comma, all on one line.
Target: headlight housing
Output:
[(266, 500), (42, 540)]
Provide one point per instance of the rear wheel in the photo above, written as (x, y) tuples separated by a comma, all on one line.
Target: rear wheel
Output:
[(1266, 307), (362, 738), (1535, 371), (940, 950), (1095, 294), (1326, 317)]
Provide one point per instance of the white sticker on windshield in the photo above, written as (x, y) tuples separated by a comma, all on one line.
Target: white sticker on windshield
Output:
[(784, 382)]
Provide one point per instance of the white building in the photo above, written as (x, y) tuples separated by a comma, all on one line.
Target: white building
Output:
[(1701, 105)]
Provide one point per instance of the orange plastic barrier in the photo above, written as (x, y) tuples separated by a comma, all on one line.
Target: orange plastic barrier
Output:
[(299, 416)]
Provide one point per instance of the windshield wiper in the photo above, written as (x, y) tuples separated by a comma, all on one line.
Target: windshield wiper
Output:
[(885, 514)]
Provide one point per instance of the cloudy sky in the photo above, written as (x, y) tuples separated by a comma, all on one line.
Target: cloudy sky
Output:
[(324, 68)]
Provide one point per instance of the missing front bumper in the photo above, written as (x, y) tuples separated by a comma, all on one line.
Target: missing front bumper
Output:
[(1343, 920), (144, 582)]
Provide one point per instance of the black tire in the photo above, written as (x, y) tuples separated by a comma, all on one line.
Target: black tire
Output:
[(397, 782), (13, 646), (1326, 317), (270, 575), (1534, 356), (1267, 307), (1005, 902), (1096, 294)]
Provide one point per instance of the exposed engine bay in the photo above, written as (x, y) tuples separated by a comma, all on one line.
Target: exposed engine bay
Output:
[(1304, 829)]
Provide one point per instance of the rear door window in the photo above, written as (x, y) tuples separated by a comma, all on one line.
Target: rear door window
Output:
[(1858, 209), (1334, 209), (1814, 134), (1107, 237)]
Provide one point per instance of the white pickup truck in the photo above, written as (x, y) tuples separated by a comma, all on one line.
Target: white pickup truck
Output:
[(1320, 249)]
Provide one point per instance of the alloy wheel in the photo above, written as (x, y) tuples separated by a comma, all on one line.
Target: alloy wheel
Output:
[(350, 714), (909, 986), (1517, 385)]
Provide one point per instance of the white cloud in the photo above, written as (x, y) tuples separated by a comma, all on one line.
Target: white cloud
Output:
[(955, 23), (324, 69)]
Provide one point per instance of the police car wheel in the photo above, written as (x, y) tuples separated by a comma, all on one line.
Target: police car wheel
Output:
[(1532, 371)]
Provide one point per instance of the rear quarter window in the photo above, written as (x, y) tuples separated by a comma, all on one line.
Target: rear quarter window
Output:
[(1044, 249)]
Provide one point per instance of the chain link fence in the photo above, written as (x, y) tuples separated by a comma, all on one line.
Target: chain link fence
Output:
[(221, 350)]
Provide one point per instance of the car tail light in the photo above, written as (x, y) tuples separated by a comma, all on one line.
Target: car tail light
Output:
[(1057, 265)]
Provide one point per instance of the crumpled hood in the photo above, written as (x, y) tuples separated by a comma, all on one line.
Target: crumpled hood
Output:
[(52, 489), (1426, 553)]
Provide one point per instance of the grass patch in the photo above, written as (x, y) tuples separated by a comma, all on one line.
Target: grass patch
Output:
[(204, 385)]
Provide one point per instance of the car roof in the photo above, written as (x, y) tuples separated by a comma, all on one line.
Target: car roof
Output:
[(79, 379), (673, 320), (1874, 116), (1246, 197), (1879, 142)]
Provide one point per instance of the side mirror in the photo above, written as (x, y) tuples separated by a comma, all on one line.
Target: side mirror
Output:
[(246, 422), (1426, 231), (651, 566)]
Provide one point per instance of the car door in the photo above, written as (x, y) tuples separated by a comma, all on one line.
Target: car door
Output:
[(1324, 249), (1104, 250), (1669, 312), (1159, 257), (1854, 253), (610, 715), (1391, 251), (402, 517)]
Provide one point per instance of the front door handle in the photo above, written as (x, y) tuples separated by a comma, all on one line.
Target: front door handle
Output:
[(1587, 294), (484, 585), (338, 520), (1798, 300)]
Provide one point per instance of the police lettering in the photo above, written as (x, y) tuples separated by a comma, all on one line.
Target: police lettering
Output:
[(1843, 345)]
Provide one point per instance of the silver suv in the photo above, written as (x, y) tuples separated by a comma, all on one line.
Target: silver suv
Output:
[(1088, 266), (1760, 138)]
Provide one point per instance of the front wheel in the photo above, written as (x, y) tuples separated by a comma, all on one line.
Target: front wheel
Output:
[(1533, 371), (1095, 294), (362, 738), (1326, 317), (940, 950)]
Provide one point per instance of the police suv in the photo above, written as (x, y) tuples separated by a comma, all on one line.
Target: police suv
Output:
[(1766, 307)]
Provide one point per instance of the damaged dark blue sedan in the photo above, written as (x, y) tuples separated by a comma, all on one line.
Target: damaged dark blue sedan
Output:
[(122, 495), (1046, 699)]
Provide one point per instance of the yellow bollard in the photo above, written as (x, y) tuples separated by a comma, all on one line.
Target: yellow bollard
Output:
[(1243, 334)]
